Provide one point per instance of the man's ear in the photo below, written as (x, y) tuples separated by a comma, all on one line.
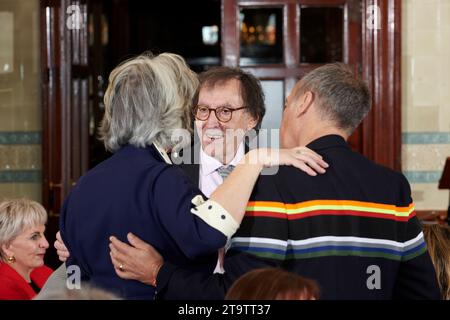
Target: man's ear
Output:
[(304, 103), (252, 122)]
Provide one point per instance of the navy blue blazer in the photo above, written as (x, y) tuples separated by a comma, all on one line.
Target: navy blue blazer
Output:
[(135, 191)]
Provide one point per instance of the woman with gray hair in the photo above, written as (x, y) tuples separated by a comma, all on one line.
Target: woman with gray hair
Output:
[(22, 249), (138, 190)]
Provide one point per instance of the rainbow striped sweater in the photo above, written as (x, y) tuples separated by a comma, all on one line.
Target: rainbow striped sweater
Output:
[(338, 227), (352, 229)]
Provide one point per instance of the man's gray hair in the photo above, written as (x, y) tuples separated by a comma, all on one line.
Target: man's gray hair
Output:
[(148, 97), (342, 97)]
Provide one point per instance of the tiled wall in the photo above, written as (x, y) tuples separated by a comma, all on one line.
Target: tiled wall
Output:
[(20, 107), (426, 98)]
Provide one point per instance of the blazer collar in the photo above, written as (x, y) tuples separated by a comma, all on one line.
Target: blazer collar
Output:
[(162, 153)]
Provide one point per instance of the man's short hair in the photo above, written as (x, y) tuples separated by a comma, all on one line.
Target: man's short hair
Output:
[(251, 91), (342, 97)]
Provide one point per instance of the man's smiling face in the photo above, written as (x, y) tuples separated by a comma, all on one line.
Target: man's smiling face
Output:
[(221, 139)]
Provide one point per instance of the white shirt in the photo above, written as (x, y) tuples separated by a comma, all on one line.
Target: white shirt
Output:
[(210, 179)]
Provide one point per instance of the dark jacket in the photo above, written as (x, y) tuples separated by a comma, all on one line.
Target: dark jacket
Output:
[(134, 191)]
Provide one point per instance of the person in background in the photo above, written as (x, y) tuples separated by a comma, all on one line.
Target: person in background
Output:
[(22, 249), (272, 284), (437, 237)]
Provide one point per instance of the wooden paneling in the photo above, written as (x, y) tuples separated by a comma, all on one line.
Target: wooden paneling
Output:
[(382, 69), (64, 64), (56, 103), (64, 100)]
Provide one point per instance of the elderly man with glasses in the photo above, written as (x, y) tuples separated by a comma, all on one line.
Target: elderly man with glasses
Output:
[(228, 103)]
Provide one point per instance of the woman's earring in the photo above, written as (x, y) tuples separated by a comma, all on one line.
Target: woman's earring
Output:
[(11, 259)]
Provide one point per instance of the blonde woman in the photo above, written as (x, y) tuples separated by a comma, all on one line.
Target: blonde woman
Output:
[(138, 190), (437, 238), (22, 249)]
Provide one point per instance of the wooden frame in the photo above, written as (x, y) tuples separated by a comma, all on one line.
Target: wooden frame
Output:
[(64, 64), (377, 58), (382, 70)]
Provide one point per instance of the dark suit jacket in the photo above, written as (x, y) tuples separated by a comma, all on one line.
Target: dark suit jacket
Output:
[(134, 191)]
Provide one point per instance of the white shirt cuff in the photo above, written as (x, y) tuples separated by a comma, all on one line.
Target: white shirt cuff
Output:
[(214, 215)]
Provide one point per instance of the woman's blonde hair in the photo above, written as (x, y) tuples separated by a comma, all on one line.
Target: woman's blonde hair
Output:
[(16, 215), (437, 238), (148, 97)]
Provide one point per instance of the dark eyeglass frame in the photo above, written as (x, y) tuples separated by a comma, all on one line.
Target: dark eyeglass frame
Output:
[(194, 111)]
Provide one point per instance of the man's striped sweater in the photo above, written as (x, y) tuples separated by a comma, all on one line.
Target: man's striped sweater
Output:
[(352, 229)]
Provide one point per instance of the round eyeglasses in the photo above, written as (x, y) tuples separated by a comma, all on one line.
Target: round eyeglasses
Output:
[(223, 114)]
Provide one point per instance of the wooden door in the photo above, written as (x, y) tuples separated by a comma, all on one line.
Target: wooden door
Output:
[(65, 96), (370, 49)]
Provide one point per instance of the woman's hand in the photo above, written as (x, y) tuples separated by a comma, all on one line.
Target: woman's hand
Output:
[(301, 157)]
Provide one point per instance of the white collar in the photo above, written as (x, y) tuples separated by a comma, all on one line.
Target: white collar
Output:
[(162, 153), (210, 164)]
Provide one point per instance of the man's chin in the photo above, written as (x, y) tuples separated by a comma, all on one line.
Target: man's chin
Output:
[(212, 150)]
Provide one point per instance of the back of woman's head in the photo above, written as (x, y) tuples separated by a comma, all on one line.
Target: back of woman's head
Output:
[(272, 284), (437, 238), (16, 215), (147, 98)]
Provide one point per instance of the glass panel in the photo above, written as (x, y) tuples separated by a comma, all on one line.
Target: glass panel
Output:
[(321, 34), (20, 109), (188, 28), (261, 36), (269, 133)]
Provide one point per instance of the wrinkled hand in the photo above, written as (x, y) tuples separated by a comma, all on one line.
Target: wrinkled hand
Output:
[(61, 249), (301, 157), (140, 261)]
